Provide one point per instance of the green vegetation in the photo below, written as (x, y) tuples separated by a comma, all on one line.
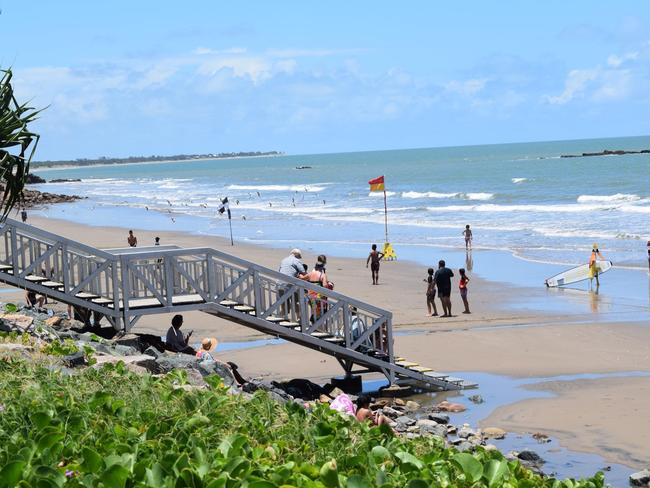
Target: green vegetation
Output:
[(17, 143), (109, 427), (148, 159)]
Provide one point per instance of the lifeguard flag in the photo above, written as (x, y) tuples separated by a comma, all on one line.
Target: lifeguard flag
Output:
[(377, 184)]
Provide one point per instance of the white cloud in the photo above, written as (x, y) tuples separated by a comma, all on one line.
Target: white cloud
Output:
[(616, 80), (574, 86), (466, 88), (615, 61)]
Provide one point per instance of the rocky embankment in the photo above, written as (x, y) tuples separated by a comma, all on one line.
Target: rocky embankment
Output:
[(606, 152), (35, 198), (69, 346)]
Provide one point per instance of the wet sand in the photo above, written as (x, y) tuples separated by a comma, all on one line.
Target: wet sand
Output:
[(608, 416), (496, 338)]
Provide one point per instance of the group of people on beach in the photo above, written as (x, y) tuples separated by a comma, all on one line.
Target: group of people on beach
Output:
[(440, 281)]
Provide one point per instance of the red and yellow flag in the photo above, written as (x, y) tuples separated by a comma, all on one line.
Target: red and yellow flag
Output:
[(377, 184)]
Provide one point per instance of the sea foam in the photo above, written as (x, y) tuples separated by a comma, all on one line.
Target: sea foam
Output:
[(305, 188), (618, 197)]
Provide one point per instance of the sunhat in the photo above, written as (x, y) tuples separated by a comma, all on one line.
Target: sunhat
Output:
[(209, 344), (595, 246)]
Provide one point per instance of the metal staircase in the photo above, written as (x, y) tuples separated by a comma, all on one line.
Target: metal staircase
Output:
[(125, 284)]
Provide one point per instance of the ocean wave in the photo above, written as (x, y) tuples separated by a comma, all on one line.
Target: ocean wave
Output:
[(518, 180), (428, 194), (433, 194), (618, 197), (305, 188), (381, 194), (478, 196)]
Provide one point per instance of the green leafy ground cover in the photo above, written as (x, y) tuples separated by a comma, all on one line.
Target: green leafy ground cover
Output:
[(109, 427)]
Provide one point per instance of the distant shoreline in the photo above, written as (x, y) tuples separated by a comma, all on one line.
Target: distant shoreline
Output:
[(153, 159)]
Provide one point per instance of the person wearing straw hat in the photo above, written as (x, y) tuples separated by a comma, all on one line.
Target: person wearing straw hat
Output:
[(208, 345)]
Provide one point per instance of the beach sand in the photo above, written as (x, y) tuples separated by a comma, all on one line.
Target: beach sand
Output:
[(496, 338)]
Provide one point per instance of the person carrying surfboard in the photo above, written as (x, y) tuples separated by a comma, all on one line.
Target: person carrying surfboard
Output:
[(593, 263)]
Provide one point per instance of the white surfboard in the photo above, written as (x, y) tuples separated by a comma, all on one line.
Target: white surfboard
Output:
[(579, 273)]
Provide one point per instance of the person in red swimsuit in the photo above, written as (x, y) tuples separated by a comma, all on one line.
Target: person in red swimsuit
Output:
[(462, 286)]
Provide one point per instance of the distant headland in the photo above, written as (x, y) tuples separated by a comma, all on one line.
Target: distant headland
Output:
[(153, 159)]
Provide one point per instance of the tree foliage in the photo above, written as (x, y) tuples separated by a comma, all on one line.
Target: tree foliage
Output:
[(17, 143)]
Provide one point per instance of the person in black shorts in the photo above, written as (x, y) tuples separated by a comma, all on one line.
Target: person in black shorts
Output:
[(373, 258), (443, 282)]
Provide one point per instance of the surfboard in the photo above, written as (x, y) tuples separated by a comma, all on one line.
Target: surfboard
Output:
[(579, 273)]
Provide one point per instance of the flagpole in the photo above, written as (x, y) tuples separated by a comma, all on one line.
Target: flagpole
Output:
[(232, 243), (386, 215)]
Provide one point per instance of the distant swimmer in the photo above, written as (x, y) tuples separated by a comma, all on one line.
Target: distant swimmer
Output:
[(468, 237), (258, 194), (204, 205), (236, 202), (270, 204), (243, 217), (593, 263), (648, 256), (323, 202), (170, 203), (173, 220), (146, 208)]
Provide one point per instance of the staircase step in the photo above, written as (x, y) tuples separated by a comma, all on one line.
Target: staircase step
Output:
[(438, 376), (320, 335), (406, 364), (421, 369), (228, 303), (273, 318), (52, 284), (335, 339), (86, 296), (36, 279), (451, 379), (243, 308), (289, 324)]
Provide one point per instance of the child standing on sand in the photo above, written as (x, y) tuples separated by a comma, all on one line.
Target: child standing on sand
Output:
[(431, 293), (462, 287), (373, 258)]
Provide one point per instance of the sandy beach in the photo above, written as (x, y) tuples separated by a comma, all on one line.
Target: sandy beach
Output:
[(603, 416)]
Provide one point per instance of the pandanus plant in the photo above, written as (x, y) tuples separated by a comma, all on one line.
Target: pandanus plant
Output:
[(17, 144)]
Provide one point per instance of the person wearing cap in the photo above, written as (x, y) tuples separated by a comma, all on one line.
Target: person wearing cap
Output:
[(176, 340), (593, 260), (207, 346), (292, 266)]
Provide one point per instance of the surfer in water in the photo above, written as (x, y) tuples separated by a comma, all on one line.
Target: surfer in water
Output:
[(593, 263)]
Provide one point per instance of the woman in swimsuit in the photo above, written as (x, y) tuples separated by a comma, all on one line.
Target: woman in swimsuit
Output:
[(593, 263), (373, 258)]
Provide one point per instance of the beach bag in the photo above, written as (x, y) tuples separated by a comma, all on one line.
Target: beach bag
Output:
[(344, 405)]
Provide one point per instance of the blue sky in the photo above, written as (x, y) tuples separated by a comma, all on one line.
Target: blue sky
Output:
[(151, 77)]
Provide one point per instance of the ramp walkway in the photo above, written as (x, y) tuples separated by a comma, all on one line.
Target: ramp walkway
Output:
[(127, 283)]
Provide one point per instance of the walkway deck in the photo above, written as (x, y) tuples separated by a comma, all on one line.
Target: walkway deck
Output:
[(125, 284)]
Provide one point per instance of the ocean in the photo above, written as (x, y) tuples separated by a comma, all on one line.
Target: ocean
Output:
[(523, 198)]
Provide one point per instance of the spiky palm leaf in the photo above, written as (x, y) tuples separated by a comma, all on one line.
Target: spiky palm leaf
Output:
[(17, 144)]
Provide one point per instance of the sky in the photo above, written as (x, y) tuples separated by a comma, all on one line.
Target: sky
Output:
[(125, 78)]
